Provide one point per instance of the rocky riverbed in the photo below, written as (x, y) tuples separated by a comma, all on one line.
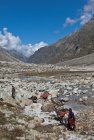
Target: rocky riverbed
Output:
[(21, 119)]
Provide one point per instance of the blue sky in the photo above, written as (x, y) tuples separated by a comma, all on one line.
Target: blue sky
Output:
[(46, 21)]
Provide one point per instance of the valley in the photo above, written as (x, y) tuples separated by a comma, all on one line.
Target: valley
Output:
[(22, 119)]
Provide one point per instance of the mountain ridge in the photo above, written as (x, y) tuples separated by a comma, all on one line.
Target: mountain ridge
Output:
[(18, 55), (5, 56), (78, 44)]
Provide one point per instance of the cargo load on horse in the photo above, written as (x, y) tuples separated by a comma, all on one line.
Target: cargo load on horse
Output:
[(45, 95)]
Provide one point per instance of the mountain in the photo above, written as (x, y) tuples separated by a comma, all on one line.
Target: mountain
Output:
[(18, 55), (5, 56), (78, 44), (87, 60)]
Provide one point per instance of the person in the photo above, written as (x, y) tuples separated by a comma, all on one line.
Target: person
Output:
[(71, 120), (13, 92)]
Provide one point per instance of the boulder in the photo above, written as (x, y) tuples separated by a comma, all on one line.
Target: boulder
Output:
[(26, 102), (38, 120), (48, 107), (35, 122), (31, 125), (56, 101), (54, 92), (65, 99)]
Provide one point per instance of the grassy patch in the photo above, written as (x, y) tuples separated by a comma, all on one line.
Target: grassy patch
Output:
[(1, 103), (29, 118), (6, 135), (3, 119), (7, 104), (44, 129), (17, 132), (45, 73)]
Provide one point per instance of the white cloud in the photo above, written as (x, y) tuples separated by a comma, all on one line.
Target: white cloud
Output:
[(88, 11), (86, 14), (26, 50), (85, 18), (11, 42), (89, 7), (69, 21), (39, 45)]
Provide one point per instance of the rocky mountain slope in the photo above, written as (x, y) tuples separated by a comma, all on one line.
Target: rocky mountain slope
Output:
[(5, 56), (18, 55), (86, 60), (79, 43)]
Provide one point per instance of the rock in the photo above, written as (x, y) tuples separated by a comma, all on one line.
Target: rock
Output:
[(65, 99), (56, 101), (93, 90), (26, 102), (65, 92), (85, 98), (1, 99), (10, 127), (20, 126), (21, 121), (61, 90), (35, 122), (31, 125), (36, 106), (38, 120), (20, 138), (75, 90), (84, 91), (54, 93), (48, 107), (69, 88), (58, 129), (80, 99)]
